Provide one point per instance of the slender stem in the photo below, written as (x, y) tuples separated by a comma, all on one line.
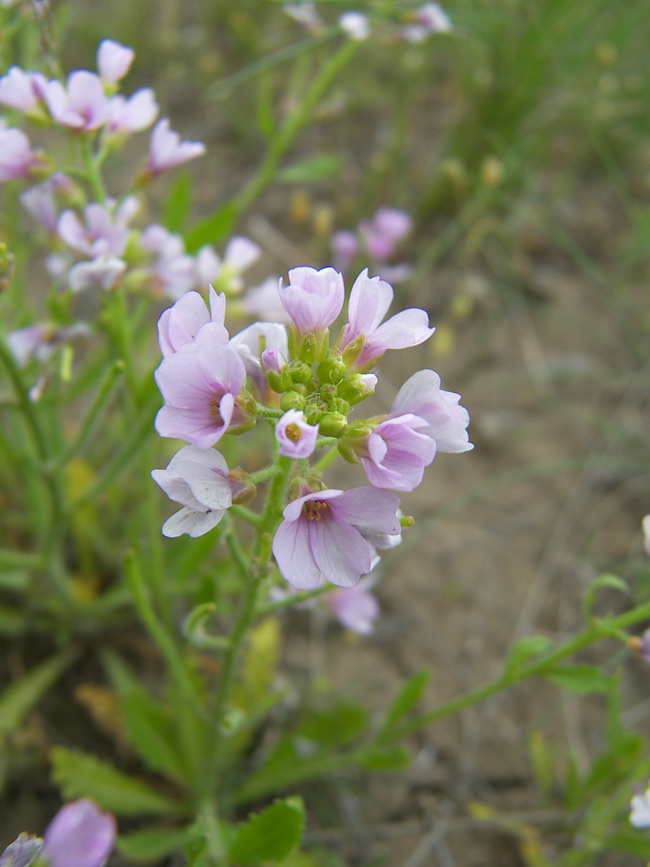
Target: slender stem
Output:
[(91, 166), (295, 599), (325, 461)]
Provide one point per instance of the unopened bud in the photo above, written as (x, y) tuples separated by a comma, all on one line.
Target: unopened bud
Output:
[(301, 372), (332, 424), (331, 371), (292, 400), (357, 387), (337, 404)]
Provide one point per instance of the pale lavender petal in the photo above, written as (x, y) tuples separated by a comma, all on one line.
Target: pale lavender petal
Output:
[(407, 328), (313, 299), (22, 852), (241, 253), (193, 523), (295, 437), (369, 510), (177, 489), (355, 607), (113, 60), (370, 298), (294, 508), (264, 302), (16, 154), (80, 835), (293, 554), (102, 272), (133, 114), (340, 552), (421, 395), (17, 91)]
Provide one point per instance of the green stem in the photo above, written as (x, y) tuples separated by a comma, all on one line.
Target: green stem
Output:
[(294, 599), (325, 461), (91, 165)]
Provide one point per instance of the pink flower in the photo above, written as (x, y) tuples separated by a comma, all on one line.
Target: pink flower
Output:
[(226, 273), (395, 453), (313, 299), (355, 25), (40, 200), (296, 438), (322, 535), (103, 272), (305, 14), (355, 607), (82, 104), (370, 299), (179, 324), (264, 302), (166, 149), (39, 341), (200, 384), (252, 341), (133, 114), (22, 90), (105, 231), (198, 480), (345, 249), (447, 421), (173, 271), (113, 60), (384, 231), (16, 155), (428, 19), (80, 835)]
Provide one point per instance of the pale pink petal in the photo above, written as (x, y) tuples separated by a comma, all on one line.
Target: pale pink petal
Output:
[(293, 554)]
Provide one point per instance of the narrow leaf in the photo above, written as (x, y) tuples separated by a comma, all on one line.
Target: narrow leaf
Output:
[(390, 759), (525, 650), (582, 679), (406, 699), (310, 170), (82, 776), (23, 695)]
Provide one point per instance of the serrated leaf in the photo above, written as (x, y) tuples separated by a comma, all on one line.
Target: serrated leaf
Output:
[(526, 649), (391, 759), (310, 170), (23, 695), (582, 679), (270, 835), (152, 844), (406, 699), (82, 776)]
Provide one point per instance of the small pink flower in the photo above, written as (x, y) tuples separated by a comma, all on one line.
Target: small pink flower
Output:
[(22, 90), (81, 104), (226, 273), (133, 114), (313, 299), (17, 158), (102, 272), (384, 231), (427, 20), (179, 324), (304, 14), (252, 341), (264, 302), (80, 835), (355, 607), (395, 453), (296, 438), (40, 201), (198, 480), (39, 341), (105, 231), (355, 25), (113, 60), (166, 149), (322, 535), (200, 384), (369, 301), (446, 420)]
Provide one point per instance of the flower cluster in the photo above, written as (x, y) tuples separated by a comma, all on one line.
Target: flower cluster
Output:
[(80, 835), (415, 26), (306, 386), (377, 239), (93, 241)]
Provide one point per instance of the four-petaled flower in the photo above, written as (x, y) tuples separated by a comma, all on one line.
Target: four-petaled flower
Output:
[(295, 437)]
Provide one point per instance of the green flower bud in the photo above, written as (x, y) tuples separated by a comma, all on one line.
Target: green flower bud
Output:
[(332, 424), (331, 371), (301, 372), (310, 348), (356, 387), (292, 400), (337, 404), (279, 381)]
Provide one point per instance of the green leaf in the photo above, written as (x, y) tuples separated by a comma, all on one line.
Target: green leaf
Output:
[(177, 203), (612, 581), (390, 759), (630, 841), (336, 726), (526, 649), (148, 727), (582, 679), (82, 776), (152, 844), (310, 170), (212, 229), (406, 699), (270, 835), (23, 695)]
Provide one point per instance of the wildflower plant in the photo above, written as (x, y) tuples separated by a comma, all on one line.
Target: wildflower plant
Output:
[(267, 419)]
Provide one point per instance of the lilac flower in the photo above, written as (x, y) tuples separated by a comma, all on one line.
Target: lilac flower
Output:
[(133, 114), (113, 60), (198, 480), (645, 525), (322, 535), (22, 90), (264, 302), (305, 14), (40, 200), (369, 301), (173, 271), (80, 835), (640, 810), (345, 249), (313, 299), (427, 20), (200, 384), (447, 421), (226, 273), (102, 272), (39, 341), (252, 341), (384, 231), (355, 607), (179, 324), (17, 158), (166, 149), (395, 453), (105, 231), (355, 25), (296, 438), (81, 104)]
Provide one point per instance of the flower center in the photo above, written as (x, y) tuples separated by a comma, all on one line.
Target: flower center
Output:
[(214, 410), (292, 432), (313, 509)]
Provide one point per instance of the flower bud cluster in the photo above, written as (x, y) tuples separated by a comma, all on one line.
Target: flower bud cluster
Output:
[(307, 386)]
